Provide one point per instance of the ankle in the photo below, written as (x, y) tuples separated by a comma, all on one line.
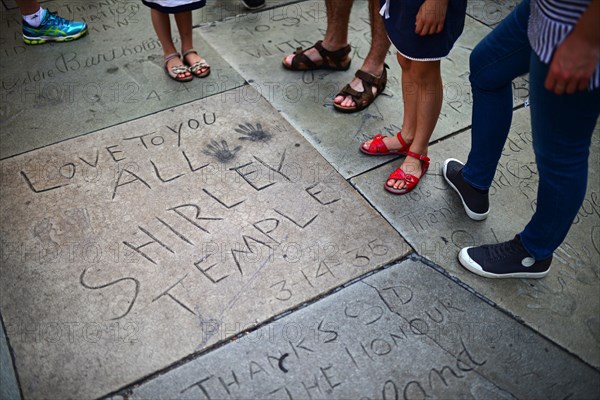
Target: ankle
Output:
[(333, 45), (477, 188), (35, 19), (422, 151), (372, 68), (407, 136)]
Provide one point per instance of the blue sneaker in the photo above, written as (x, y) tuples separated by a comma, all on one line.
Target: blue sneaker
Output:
[(53, 29)]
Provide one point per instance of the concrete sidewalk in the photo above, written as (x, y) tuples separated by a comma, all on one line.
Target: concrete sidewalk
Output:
[(224, 238)]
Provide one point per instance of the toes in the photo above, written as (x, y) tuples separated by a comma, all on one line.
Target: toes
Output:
[(288, 59), (367, 144), (348, 102), (338, 100), (395, 184)]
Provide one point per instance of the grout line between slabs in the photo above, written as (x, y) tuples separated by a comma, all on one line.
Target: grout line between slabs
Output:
[(128, 389)]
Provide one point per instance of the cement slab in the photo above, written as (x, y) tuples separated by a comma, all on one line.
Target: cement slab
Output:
[(57, 91), (305, 99), (121, 249), (405, 332), (565, 305)]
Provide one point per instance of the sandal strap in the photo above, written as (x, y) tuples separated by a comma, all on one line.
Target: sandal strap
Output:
[(367, 77), (371, 80), (426, 160), (377, 144), (366, 97), (330, 58), (421, 157), (334, 56), (169, 57), (362, 99), (402, 142), (179, 69), (185, 53), (398, 174), (301, 58), (199, 65), (349, 91), (410, 180)]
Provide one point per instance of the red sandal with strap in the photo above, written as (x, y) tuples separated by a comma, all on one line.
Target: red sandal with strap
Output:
[(410, 181), (378, 147)]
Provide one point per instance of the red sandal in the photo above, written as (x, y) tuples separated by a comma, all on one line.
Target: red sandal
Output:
[(378, 147), (411, 181)]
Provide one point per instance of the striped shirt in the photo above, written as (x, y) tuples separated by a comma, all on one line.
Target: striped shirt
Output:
[(550, 23)]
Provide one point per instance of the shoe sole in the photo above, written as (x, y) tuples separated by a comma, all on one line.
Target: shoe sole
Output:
[(321, 67), (253, 8), (473, 215), (389, 153), (45, 39), (468, 263)]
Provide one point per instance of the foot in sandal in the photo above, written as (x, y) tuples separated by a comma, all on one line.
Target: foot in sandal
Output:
[(407, 176), (366, 86), (175, 68), (197, 65), (318, 57), (385, 145)]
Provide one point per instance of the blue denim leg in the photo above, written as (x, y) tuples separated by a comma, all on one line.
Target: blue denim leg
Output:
[(562, 128), (499, 58)]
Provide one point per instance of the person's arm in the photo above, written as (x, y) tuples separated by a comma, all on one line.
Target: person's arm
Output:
[(575, 60), (431, 17)]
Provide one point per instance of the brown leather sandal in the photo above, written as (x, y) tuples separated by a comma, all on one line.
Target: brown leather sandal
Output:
[(335, 60), (366, 97)]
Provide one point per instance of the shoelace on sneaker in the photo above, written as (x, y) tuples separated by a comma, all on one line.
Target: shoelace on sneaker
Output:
[(503, 250), (54, 18)]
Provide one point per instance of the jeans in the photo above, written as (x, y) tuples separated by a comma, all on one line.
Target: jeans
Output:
[(562, 128)]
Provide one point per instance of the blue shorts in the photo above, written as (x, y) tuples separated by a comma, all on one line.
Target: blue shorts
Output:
[(400, 27)]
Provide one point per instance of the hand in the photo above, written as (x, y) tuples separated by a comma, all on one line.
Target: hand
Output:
[(572, 66), (431, 17), (575, 60)]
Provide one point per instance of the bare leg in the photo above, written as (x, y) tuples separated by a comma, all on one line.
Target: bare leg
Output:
[(162, 27), (336, 35), (373, 64), (28, 7), (184, 25), (410, 99), (426, 78)]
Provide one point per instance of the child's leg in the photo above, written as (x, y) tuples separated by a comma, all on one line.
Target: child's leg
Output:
[(425, 94), (184, 25), (410, 100), (162, 27)]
